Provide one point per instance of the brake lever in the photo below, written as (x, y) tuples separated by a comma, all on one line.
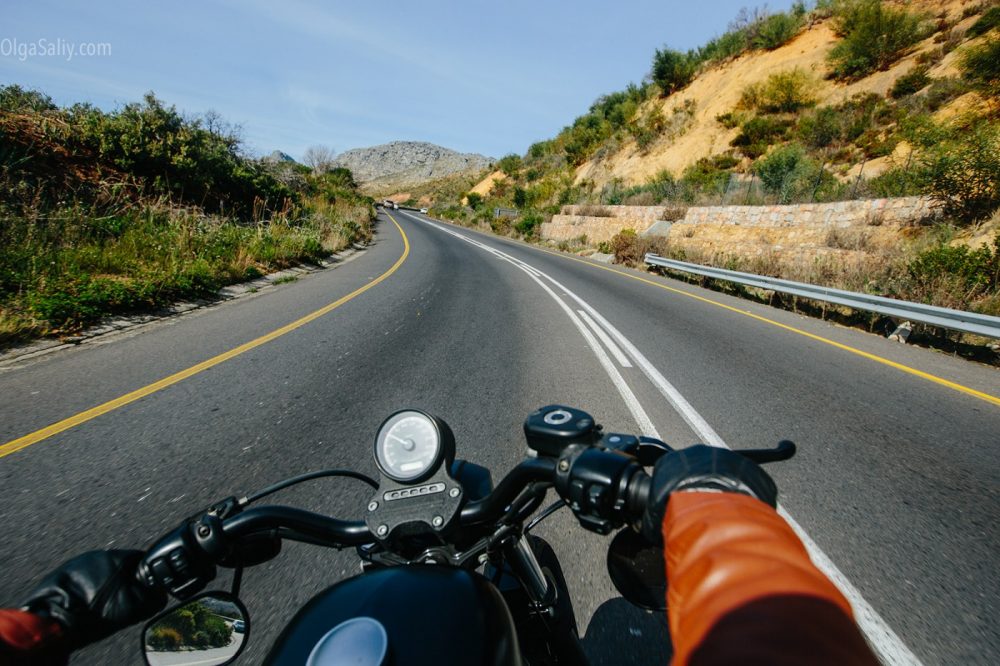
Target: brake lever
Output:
[(783, 451)]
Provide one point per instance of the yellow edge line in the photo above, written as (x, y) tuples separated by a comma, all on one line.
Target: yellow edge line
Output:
[(872, 357), (92, 413)]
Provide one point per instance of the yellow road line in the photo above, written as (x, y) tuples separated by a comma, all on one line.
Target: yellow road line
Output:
[(992, 399), (92, 413)]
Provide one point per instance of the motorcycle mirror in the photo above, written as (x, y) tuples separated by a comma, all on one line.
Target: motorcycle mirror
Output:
[(209, 630), (637, 569)]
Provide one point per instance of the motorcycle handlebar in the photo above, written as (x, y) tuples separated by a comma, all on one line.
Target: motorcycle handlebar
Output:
[(315, 525), (495, 504), (611, 487)]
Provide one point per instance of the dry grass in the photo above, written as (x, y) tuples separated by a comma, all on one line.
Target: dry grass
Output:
[(594, 211)]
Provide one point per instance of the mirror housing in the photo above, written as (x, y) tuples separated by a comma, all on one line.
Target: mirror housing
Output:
[(638, 571), (210, 629)]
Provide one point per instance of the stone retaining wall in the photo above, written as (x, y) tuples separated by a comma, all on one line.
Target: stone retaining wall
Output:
[(802, 225)]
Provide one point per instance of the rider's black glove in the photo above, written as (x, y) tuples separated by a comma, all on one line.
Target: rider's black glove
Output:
[(702, 467), (94, 595)]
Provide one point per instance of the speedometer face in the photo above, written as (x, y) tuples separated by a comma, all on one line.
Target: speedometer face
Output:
[(408, 446)]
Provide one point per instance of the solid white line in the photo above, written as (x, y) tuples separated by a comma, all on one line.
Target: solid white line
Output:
[(889, 647), (608, 342), (642, 419), (694, 420), (886, 643)]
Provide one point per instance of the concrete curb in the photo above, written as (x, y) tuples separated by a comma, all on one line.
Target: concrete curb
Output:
[(119, 324)]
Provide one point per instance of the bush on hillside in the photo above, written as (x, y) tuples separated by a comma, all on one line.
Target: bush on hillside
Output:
[(980, 65), (960, 168), (509, 164), (875, 36), (15, 99), (528, 225), (789, 173), (189, 160), (859, 120), (474, 199), (672, 70), (909, 83), (778, 29), (974, 272), (630, 248), (985, 23), (783, 92), (709, 174), (754, 29), (759, 133)]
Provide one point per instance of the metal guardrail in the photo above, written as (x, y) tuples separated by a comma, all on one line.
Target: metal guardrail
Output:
[(955, 320)]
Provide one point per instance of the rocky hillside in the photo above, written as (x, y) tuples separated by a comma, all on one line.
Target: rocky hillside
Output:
[(785, 84), (390, 166)]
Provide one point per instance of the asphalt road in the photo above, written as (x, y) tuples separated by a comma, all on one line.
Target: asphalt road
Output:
[(895, 484)]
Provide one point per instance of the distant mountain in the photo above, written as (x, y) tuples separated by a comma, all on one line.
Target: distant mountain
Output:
[(278, 156), (404, 163)]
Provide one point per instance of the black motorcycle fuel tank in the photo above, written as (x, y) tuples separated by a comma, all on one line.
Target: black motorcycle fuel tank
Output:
[(431, 615)]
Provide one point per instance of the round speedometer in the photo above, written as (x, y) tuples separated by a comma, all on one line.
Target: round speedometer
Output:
[(409, 446)]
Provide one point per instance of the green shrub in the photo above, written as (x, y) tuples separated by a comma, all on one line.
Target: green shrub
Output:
[(708, 174), (985, 23), (942, 91), (730, 119), (980, 65), (187, 159), (975, 271), (822, 128), (509, 164), (961, 169), (474, 199), (500, 225), (630, 248), (788, 172), (895, 182), (753, 29), (909, 83), (728, 45), (778, 29), (15, 99), (672, 70), (875, 36), (783, 92), (760, 132), (528, 225)]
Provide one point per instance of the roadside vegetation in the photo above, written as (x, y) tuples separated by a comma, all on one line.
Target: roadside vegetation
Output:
[(789, 148), (194, 626), (114, 212)]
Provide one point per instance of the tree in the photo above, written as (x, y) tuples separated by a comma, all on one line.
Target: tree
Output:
[(320, 158)]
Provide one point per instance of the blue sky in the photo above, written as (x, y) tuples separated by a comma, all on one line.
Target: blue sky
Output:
[(476, 77)]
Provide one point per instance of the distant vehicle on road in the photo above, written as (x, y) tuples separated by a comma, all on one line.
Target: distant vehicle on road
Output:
[(239, 626), (395, 206), (423, 210)]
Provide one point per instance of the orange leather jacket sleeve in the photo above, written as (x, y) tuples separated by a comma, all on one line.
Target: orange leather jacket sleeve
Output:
[(26, 638), (742, 588)]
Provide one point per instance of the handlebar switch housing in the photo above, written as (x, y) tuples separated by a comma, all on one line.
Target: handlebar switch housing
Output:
[(594, 482), (549, 430), (183, 562)]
